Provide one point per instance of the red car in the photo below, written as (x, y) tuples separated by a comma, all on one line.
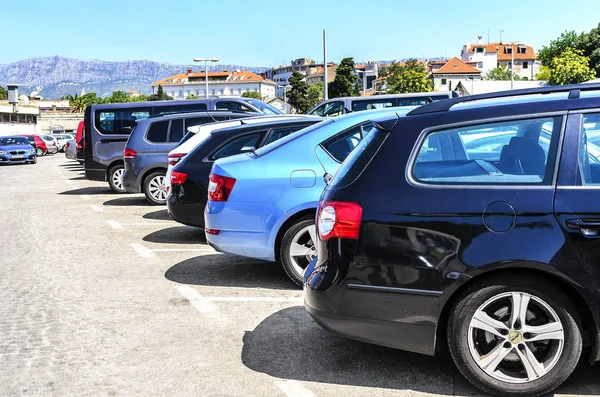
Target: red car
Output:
[(40, 146)]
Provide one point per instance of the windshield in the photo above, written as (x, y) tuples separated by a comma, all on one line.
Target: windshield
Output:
[(265, 108), (13, 140), (283, 141)]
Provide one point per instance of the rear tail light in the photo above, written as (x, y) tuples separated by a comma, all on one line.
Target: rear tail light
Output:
[(212, 231), (67, 145), (129, 154), (177, 178), (220, 187), (174, 158), (338, 219), (53, 143)]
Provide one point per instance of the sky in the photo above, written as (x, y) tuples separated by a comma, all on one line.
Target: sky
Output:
[(271, 33)]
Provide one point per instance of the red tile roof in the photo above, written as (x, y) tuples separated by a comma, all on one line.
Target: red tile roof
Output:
[(499, 48), (241, 76), (456, 66)]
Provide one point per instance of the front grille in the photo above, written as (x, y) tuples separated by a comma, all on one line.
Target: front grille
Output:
[(17, 152)]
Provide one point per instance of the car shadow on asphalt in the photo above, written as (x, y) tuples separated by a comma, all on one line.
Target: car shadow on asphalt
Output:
[(128, 200), (221, 270), (290, 345), (90, 190), (78, 178), (177, 235), (160, 215)]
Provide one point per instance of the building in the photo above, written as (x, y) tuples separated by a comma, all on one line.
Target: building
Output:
[(446, 75), (317, 75), (492, 55), (223, 83), (281, 74), (368, 71), (473, 87)]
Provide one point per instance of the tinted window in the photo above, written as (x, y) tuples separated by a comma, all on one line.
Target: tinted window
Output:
[(13, 140), (157, 132), (242, 144), (333, 109), (263, 107), (166, 109), (278, 133), (357, 106), (589, 150), (176, 131), (121, 121), (508, 152), (202, 120), (342, 145), (230, 105)]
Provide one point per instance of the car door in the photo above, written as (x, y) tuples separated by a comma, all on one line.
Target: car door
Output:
[(576, 203)]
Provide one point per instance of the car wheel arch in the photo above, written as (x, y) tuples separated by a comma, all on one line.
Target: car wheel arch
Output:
[(526, 269), (112, 165), (305, 213), (146, 173)]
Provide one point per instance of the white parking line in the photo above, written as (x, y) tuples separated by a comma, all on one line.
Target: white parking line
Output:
[(207, 249), (292, 388), (63, 177), (197, 300), (252, 299), (142, 251), (114, 224), (70, 182), (84, 196), (97, 208)]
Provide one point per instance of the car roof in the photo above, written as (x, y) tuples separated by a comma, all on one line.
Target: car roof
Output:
[(164, 102), (202, 113), (269, 123)]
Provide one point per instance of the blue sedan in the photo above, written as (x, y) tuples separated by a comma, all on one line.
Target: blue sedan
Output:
[(16, 150), (263, 204)]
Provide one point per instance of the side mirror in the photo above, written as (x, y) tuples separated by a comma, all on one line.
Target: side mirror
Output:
[(327, 177)]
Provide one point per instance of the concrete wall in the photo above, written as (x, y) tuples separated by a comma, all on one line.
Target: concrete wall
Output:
[(69, 121)]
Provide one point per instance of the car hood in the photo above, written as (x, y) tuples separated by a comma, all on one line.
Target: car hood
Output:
[(15, 147)]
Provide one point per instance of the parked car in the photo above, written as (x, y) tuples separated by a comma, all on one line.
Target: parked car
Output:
[(71, 149), (62, 140), (198, 134), (338, 106), (38, 144), (79, 151), (16, 150), (51, 143), (263, 204), (146, 150), (190, 177), (107, 127), (423, 243)]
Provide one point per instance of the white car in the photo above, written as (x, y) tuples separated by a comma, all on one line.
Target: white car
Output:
[(199, 133), (62, 140)]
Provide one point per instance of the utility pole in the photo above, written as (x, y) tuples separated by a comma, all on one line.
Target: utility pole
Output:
[(324, 65), (501, 30)]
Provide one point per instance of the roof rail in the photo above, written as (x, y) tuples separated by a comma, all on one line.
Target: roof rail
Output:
[(201, 111), (574, 91)]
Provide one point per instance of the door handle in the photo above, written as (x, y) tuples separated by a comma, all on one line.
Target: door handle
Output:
[(587, 228)]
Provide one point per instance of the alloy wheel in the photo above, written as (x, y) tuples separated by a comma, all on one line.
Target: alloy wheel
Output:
[(117, 178), (302, 248), (516, 337), (157, 188)]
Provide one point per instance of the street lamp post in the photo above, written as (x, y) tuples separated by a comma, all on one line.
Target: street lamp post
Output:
[(206, 61)]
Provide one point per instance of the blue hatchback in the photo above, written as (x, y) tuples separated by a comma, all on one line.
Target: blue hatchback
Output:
[(263, 204)]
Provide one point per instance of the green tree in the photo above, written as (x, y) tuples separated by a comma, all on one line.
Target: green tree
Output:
[(3, 93), (346, 81), (590, 45), (409, 77), (251, 94), (76, 103), (297, 96), (567, 40), (570, 67), (159, 96), (543, 74), (315, 94), (191, 95), (118, 97), (500, 73), (138, 98)]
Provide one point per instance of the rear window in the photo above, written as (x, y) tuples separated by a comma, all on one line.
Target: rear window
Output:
[(285, 140), (157, 133), (119, 121), (359, 159), (242, 144)]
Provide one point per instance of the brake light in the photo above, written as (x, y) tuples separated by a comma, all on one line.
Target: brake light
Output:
[(174, 158), (129, 154), (338, 219), (214, 232), (220, 187), (177, 178), (53, 143), (67, 145)]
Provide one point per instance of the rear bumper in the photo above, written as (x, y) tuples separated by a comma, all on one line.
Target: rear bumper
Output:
[(186, 211)]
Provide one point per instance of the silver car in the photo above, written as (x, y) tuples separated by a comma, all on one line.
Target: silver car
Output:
[(71, 149), (51, 143), (62, 140)]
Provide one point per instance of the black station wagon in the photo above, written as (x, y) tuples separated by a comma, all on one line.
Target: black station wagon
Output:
[(471, 224)]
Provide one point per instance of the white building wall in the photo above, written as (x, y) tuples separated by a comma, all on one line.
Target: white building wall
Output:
[(17, 128), (451, 81), (485, 61), (182, 91)]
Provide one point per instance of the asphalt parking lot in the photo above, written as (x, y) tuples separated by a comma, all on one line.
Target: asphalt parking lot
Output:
[(103, 294)]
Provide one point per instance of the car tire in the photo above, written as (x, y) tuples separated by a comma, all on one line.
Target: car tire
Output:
[(154, 188), (298, 248), (506, 363), (39, 152), (115, 179)]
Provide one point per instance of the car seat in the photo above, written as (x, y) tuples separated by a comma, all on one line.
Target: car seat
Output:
[(522, 156)]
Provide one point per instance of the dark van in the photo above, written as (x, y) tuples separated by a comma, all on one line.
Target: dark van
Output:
[(108, 126)]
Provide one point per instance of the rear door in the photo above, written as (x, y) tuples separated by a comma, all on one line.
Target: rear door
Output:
[(577, 197)]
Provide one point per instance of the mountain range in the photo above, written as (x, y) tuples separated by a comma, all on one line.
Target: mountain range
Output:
[(56, 76)]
